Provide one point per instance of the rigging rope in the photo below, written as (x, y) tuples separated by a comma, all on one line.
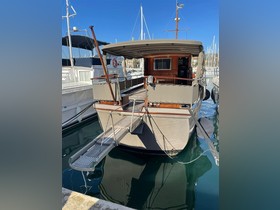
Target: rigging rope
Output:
[(174, 158), (86, 186), (146, 27), (159, 131), (135, 23)]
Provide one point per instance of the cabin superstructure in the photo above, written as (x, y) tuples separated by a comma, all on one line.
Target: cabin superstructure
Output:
[(167, 65), (165, 98), (171, 58)]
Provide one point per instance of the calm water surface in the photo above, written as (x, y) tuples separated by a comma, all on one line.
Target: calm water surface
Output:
[(188, 181)]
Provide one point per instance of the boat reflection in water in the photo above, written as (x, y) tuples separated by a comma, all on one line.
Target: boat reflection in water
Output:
[(144, 181), (84, 182), (75, 139), (71, 143)]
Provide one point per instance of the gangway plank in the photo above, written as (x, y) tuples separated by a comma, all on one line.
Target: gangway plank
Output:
[(90, 155)]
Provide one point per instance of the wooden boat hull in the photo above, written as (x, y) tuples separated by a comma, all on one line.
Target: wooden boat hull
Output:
[(163, 130)]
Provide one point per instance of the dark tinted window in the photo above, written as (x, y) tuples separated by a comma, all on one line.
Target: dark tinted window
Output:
[(162, 64)]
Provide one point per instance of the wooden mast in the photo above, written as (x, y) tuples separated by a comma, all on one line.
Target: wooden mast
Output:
[(177, 19), (102, 62)]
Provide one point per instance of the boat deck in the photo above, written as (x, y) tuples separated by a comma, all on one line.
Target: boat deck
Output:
[(136, 96), (75, 86)]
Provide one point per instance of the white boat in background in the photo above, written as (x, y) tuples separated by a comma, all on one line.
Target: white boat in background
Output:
[(77, 96), (77, 71)]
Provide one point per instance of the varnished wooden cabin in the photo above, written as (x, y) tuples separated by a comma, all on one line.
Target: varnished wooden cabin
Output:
[(166, 60)]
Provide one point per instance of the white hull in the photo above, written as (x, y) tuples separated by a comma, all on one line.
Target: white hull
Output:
[(74, 101), (78, 95)]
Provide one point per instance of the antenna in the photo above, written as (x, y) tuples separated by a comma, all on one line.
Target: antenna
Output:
[(68, 31), (177, 19)]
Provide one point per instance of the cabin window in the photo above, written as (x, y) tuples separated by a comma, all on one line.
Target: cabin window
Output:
[(162, 64)]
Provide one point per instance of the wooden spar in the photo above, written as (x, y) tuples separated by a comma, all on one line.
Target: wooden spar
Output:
[(102, 62), (177, 19)]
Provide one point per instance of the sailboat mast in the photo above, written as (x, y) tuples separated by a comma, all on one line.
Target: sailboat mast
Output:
[(142, 19), (69, 35), (141, 34)]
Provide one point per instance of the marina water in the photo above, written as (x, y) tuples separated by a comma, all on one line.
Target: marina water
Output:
[(188, 181)]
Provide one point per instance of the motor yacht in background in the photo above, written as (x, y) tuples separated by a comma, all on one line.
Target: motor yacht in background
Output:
[(78, 68), (77, 96)]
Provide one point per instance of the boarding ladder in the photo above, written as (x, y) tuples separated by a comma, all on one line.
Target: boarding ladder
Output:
[(90, 155)]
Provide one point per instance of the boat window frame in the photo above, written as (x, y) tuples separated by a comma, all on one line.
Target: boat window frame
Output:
[(170, 66)]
